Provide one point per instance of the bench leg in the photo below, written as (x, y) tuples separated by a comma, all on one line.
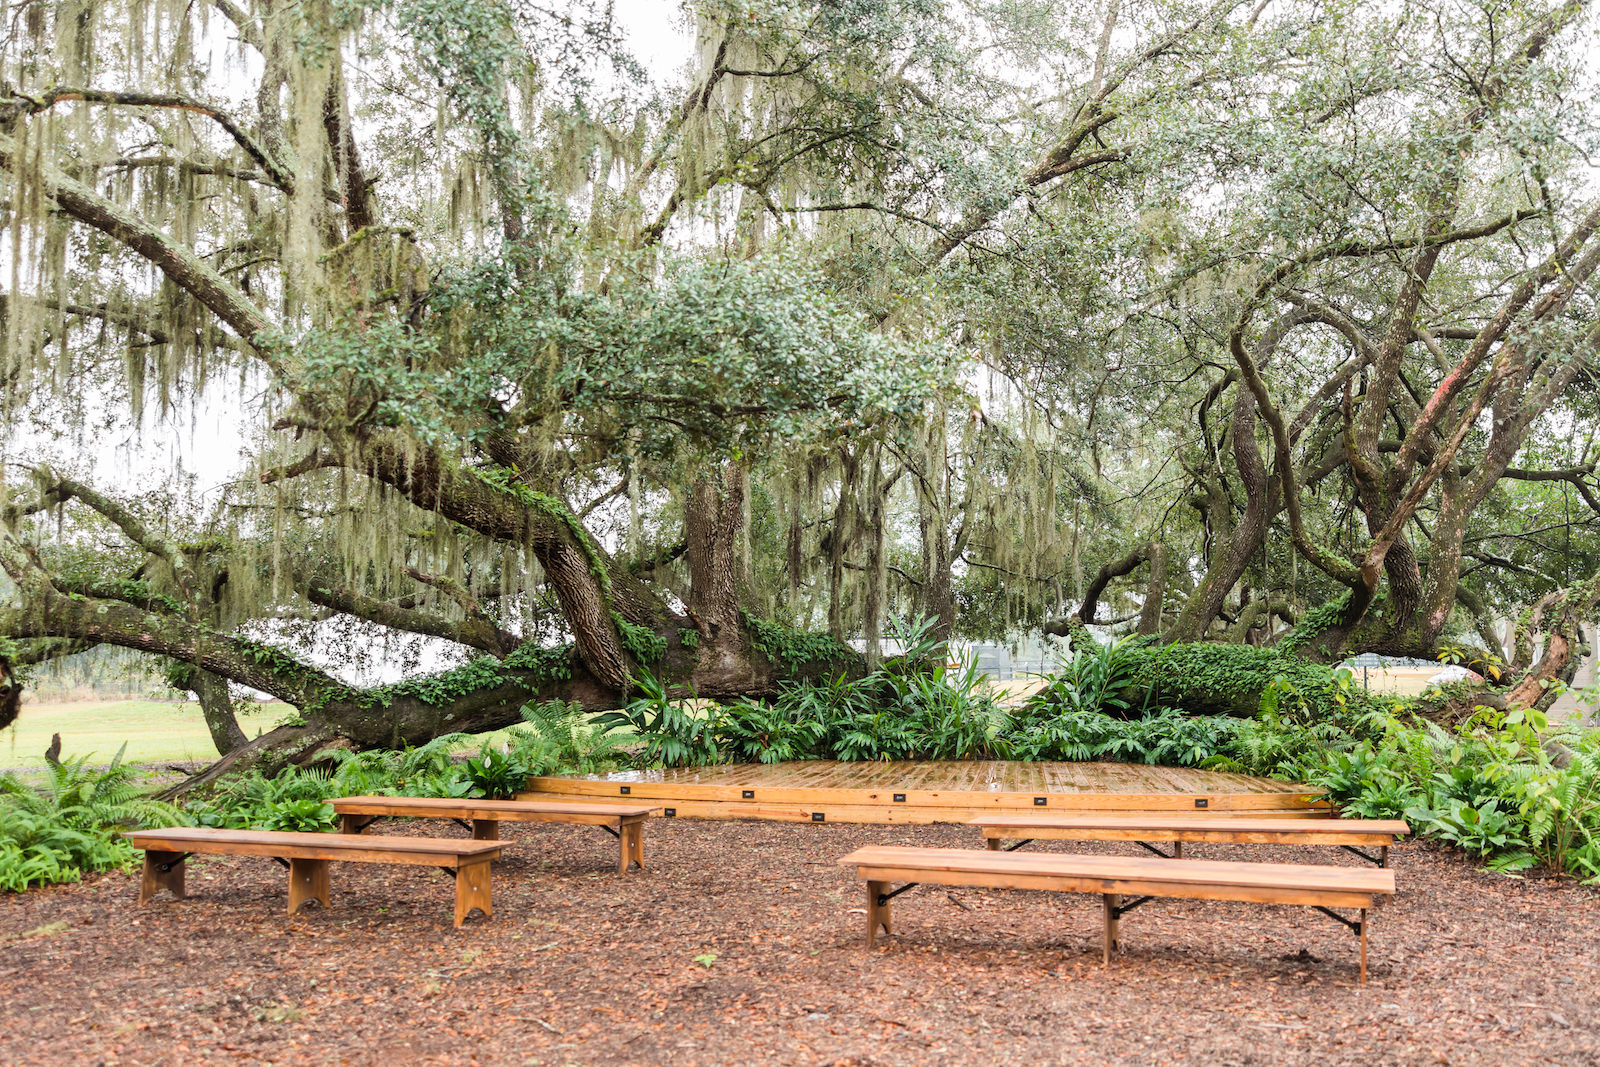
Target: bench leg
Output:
[(624, 846), (1363, 946), (877, 914), (472, 890), (1177, 850), (352, 824), (1383, 855), (1110, 901), (993, 843), (308, 880), (486, 829), (161, 870), (630, 844)]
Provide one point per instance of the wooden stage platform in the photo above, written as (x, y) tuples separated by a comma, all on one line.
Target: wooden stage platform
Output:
[(926, 792)]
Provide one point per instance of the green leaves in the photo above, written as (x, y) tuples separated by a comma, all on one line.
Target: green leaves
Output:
[(72, 825), (498, 773)]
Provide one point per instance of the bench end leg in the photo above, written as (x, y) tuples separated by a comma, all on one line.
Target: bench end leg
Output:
[(1363, 946), (993, 843), (1110, 901), (630, 844), (486, 829), (308, 880), (877, 913), (472, 891), (162, 870)]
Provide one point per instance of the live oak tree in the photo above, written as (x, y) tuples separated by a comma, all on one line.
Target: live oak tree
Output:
[(1282, 310), (434, 272)]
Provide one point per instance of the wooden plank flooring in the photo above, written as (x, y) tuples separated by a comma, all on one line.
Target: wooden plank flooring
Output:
[(933, 791)]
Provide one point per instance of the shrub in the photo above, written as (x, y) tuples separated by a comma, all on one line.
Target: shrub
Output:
[(562, 739), (497, 773), (673, 735), (74, 824)]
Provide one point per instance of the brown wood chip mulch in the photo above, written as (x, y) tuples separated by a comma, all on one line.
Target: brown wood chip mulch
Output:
[(580, 965)]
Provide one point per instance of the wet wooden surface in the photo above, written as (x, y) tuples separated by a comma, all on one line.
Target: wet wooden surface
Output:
[(933, 791), (988, 776)]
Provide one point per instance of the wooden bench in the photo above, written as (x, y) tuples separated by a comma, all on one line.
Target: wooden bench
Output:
[(625, 822), (1348, 834), (307, 856), (1318, 887)]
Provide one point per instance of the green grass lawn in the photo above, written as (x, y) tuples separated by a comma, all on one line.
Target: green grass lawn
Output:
[(156, 731)]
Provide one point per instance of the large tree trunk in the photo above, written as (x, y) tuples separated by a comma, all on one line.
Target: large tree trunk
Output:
[(216, 704), (1229, 563)]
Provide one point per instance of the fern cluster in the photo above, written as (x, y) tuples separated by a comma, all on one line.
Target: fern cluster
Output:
[(73, 824)]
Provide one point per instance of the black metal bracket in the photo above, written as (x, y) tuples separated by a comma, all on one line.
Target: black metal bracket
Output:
[(1354, 925), (369, 821), (884, 898), (1122, 909), (1018, 844), (451, 871), (166, 868), (1148, 847), (280, 861), (1369, 857), (609, 830), (464, 824)]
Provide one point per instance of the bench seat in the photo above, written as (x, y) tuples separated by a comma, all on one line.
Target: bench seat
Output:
[(1112, 877), (1349, 834), (483, 817), (307, 856)]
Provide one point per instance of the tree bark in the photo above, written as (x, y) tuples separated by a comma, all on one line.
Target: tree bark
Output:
[(216, 704), (1155, 592)]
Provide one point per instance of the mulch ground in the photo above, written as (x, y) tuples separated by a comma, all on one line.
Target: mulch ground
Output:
[(580, 965)]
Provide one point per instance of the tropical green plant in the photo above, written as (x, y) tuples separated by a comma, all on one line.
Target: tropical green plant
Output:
[(671, 734), (306, 814), (1102, 678), (757, 731), (498, 773)]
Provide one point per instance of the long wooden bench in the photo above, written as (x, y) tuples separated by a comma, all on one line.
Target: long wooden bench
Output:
[(1319, 887), (307, 856), (625, 822), (1350, 834)]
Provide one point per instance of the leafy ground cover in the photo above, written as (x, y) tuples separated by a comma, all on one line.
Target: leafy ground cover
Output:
[(742, 943)]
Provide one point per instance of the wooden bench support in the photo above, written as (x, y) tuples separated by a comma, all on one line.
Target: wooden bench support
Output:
[(472, 891), (878, 897), (162, 870), (308, 880)]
